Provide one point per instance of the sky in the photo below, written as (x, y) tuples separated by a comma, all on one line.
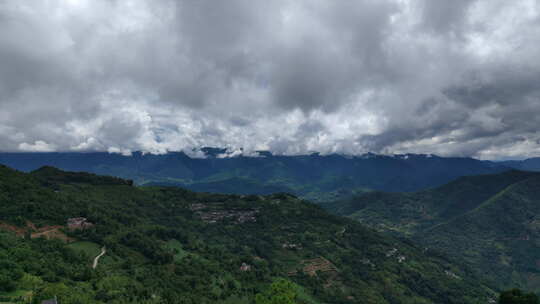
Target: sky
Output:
[(453, 78)]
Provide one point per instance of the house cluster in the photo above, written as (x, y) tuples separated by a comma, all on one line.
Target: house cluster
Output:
[(75, 223), (320, 264), (391, 252), (245, 267), (197, 207), (291, 246), (239, 216), (451, 274), (367, 262), (214, 215), (246, 216), (400, 258)]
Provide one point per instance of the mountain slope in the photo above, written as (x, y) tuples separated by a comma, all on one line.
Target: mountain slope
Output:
[(489, 221), (165, 245), (501, 236), (314, 177), (530, 164)]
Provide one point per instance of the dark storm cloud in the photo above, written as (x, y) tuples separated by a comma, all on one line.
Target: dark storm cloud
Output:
[(341, 54), (503, 86), (432, 76)]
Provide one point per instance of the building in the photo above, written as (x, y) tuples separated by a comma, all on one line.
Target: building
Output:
[(78, 223)]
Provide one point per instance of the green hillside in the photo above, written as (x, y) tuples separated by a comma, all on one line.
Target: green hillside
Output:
[(169, 245), (491, 222)]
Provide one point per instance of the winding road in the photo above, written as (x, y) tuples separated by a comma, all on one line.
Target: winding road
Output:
[(96, 259)]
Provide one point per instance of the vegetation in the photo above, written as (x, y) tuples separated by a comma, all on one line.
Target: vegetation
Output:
[(89, 248), (516, 296), (314, 177), (169, 245), (280, 292), (490, 222)]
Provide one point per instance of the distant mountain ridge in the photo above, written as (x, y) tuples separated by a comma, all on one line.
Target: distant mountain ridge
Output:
[(316, 177), (530, 164)]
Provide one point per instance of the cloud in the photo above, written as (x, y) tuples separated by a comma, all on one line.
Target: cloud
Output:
[(387, 76), (444, 16), (38, 146)]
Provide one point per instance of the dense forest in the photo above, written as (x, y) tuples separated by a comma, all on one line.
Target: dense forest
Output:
[(169, 245)]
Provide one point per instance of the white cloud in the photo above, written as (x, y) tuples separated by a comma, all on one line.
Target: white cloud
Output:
[(449, 77), (37, 146)]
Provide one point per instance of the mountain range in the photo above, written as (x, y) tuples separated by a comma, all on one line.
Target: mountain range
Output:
[(315, 177)]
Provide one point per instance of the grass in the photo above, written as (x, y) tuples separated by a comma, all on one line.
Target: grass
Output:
[(176, 246), (15, 293), (14, 296), (91, 249)]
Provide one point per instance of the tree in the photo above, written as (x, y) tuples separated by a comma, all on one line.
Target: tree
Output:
[(281, 291), (10, 274), (6, 283), (516, 296)]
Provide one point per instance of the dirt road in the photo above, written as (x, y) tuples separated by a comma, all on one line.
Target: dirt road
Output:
[(96, 259)]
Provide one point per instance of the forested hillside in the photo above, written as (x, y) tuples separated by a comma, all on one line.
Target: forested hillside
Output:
[(314, 177), (491, 222), (169, 245), (530, 164)]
